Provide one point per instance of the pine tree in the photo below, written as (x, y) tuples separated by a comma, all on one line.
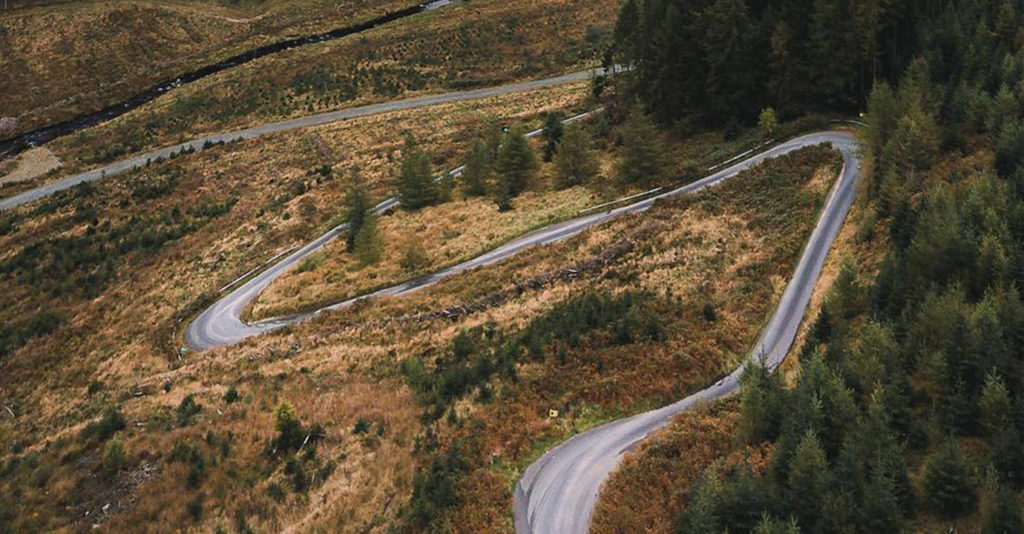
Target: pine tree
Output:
[(702, 514), (1005, 517), (289, 429), (808, 482), (768, 122), (995, 405), (761, 404), (574, 161), (1008, 456), (552, 133), (769, 525), (368, 241), (358, 208), (883, 112), (516, 166), (644, 160), (477, 174), (949, 490), (416, 187), (736, 67)]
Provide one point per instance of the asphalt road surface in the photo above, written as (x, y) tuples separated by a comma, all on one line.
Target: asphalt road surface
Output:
[(222, 324), (284, 126), (557, 493)]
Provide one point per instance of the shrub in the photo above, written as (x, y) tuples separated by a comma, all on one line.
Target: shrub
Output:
[(195, 508), (362, 426), (414, 257), (187, 410), (113, 457), (231, 395), (768, 121), (434, 489), (111, 422)]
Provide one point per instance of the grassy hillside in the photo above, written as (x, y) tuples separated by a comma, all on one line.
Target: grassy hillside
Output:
[(72, 58), (462, 46), (99, 281)]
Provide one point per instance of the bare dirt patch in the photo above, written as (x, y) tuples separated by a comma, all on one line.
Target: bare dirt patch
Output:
[(28, 166)]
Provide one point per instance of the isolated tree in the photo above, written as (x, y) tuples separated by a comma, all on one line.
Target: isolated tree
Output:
[(574, 161), (289, 429), (552, 133), (358, 207), (768, 122), (516, 165), (369, 245), (644, 160), (949, 490), (416, 187), (479, 169)]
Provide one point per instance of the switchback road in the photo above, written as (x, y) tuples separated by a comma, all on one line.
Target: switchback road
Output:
[(558, 492)]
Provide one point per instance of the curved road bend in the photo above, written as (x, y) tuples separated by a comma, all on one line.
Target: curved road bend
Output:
[(558, 492), (222, 324), (291, 124)]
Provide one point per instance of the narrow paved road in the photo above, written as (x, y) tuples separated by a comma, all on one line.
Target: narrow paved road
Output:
[(557, 493), (284, 126), (222, 324)]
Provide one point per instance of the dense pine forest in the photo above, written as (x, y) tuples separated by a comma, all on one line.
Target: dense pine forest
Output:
[(908, 409)]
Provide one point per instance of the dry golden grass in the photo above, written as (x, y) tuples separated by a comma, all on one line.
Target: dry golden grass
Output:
[(123, 339), (666, 466), (464, 45), (344, 367), (447, 234), (63, 60), (686, 254)]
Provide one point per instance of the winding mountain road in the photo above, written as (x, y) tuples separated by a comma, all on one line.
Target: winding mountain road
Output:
[(288, 125), (222, 324), (558, 492)]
